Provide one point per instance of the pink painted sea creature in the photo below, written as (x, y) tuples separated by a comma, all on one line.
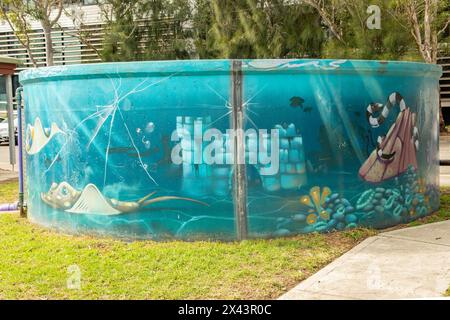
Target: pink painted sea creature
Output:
[(397, 150)]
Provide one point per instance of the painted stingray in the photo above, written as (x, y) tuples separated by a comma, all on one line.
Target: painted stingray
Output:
[(91, 201), (397, 150), (37, 137)]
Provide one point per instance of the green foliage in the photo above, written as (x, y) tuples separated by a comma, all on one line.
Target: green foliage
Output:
[(210, 29), (428, 22), (166, 32), (393, 41), (201, 23), (122, 37), (146, 30), (181, 29), (442, 26), (261, 29), (278, 28)]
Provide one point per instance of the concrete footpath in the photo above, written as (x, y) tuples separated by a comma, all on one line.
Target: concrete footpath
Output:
[(4, 158), (6, 175), (7, 172), (409, 263)]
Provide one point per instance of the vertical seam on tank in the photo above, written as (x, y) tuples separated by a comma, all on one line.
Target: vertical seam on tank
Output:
[(239, 173)]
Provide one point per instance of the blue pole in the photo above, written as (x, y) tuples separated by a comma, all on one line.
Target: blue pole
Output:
[(22, 208)]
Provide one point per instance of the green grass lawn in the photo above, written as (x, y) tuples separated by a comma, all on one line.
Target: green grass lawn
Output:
[(8, 191), (35, 263)]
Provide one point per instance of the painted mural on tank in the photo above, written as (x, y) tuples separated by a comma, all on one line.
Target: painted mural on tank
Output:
[(150, 150)]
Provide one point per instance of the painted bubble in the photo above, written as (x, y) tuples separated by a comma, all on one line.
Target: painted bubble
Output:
[(127, 105), (147, 144), (150, 127)]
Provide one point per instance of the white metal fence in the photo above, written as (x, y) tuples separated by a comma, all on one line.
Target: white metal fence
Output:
[(68, 48), (445, 81)]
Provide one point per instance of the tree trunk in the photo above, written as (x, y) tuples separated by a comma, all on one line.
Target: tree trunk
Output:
[(48, 44)]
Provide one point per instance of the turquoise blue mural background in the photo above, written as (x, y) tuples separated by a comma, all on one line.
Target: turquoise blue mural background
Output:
[(99, 147)]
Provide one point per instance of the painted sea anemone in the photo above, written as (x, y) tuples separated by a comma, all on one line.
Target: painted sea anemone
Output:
[(365, 199), (315, 201)]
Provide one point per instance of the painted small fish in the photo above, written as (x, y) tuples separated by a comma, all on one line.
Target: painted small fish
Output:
[(297, 102), (307, 109)]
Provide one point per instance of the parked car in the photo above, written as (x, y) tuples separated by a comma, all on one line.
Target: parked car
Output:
[(4, 136)]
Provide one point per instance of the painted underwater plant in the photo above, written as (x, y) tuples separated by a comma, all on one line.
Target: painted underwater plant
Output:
[(395, 152), (328, 211), (91, 201), (315, 201)]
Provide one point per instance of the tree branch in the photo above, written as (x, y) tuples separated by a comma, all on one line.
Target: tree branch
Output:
[(444, 28), (58, 15)]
